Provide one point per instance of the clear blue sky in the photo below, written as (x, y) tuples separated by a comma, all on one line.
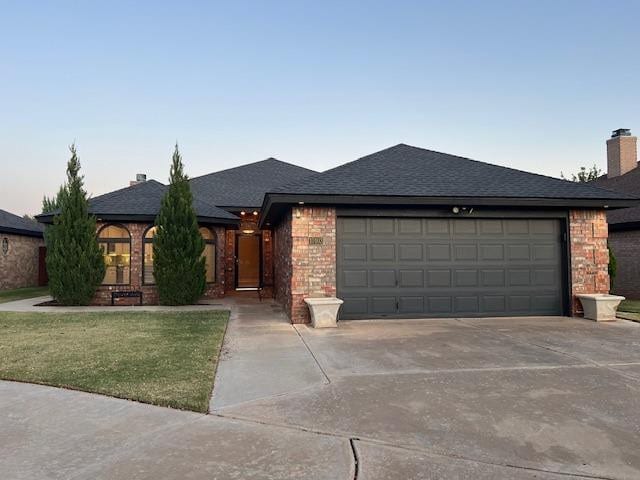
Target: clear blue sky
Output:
[(533, 85)]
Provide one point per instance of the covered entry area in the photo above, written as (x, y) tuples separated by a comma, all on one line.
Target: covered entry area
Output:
[(401, 267)]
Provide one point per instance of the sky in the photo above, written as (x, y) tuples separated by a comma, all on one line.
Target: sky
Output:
[(534, 85)]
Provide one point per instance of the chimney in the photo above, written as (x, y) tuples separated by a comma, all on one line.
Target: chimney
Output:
[(140, 178), (622, 153)]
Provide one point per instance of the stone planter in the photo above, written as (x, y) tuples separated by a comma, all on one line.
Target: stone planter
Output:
[(324, 311), (600, 307)]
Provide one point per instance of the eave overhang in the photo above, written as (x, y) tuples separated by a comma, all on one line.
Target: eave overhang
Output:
[(275, 204)]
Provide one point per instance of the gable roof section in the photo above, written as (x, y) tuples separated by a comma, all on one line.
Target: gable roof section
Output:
[(410, 176), (245, 186), (628, 183), (10, 223), (142, 202)]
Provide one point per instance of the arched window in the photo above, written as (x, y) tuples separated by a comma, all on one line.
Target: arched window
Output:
[(147, 266), (115, 242), (209, 253)]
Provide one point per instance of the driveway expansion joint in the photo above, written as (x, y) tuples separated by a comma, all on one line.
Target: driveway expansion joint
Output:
[(295, 327)]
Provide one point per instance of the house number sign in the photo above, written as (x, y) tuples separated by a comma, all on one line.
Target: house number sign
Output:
[(316, 240), (5, 245)]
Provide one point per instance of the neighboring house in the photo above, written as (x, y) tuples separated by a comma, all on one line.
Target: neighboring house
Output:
[(623, 175), (20, 243), (404, 232)]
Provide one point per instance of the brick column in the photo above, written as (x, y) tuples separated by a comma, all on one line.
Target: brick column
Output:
[(313, 257), (588, 233)]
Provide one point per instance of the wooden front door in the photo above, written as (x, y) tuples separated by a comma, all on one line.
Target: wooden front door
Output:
[(248, 261)]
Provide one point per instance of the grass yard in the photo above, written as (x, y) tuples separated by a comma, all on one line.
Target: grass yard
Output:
[(22, 293), (630, 309), (167, 359)]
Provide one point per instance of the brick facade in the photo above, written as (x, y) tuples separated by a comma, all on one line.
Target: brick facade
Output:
[(305, 258), (589, 254), (625, 246), (19, 266), (150, 293)]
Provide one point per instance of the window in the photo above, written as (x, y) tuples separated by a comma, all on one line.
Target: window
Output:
[(115, 242), (209, 253), (147, 267)]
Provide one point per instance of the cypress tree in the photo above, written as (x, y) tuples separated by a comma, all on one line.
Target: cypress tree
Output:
[(74, 260), (178, 264)]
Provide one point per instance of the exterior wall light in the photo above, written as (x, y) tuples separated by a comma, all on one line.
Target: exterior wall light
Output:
[(255, 212), (243, 213)]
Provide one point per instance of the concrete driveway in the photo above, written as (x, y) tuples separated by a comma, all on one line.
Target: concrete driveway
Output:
[(546, 398)]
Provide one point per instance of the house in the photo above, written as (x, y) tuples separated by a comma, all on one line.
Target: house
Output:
[(21, 260), (404, 232), (238, 253), (623, 175)]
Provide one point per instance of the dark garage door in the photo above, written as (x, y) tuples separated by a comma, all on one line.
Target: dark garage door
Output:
[(437, 267)]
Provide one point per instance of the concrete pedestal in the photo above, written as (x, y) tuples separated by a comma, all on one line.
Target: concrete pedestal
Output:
[(324, 311), (600, 307)]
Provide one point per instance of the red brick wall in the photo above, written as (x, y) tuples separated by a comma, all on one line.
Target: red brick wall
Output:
[(589, 254), (282, 243), (625, 246), (19, 266), (310, 270), (150, 293)]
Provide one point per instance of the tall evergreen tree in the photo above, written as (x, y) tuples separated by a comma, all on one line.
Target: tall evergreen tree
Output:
[(74, 260), (51, 204), (178, 263)]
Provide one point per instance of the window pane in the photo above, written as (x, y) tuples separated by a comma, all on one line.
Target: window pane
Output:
[(210, 261), (114, 231), (151, 232), (206, 233), (148, 264), (117, 260)]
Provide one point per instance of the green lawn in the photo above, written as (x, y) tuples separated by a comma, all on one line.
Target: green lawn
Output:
[(632, 306), (167, 359), (630, 309), (21, 293)]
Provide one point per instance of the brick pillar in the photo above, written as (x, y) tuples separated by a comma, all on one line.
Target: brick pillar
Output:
[(313, 257), (588, 233)]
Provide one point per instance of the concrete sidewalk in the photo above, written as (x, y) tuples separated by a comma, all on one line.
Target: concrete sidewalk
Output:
[(262, 356), (31, 305)]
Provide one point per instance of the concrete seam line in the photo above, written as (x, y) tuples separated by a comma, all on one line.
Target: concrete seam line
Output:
[(384, 443), (356, 458), (483, 462), (312, 354)]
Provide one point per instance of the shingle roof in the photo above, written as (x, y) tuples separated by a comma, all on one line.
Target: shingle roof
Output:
[(404, 170), (627, 183), (144, 200), (10, 223), (245, 186)]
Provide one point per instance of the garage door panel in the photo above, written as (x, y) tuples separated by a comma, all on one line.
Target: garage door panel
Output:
[(438, 278), (382, 278), (409, 304), (411, 278), (383, 252), (383, 305), (465, 252), (355, 278), (399, 267), (354, 252), (411, 252)]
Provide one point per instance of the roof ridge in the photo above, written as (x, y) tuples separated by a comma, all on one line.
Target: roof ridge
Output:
[(269, 159)]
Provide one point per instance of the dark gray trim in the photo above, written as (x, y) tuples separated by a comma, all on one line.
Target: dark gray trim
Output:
[(48, 218), (275, 203), (19, 231)]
